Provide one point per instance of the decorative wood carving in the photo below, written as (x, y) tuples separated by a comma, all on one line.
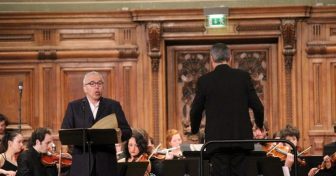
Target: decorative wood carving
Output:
[(47, 55), (184, 27), (241, 28), (154, 39), (16, 37), (317, 97), (190, 66), (128, 54), (288, 30), (333, 94), (255, 63), (332, 31), (321, 49)]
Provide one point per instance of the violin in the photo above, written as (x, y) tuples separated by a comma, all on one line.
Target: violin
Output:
[(155, 154), (52, 157), (63, 159), (144, 158), (281, 152), (323, 165)]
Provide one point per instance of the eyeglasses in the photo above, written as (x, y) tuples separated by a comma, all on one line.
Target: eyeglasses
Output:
[(93, 84)]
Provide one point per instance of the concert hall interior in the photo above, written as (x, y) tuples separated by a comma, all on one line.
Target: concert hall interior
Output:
[(65, 65)]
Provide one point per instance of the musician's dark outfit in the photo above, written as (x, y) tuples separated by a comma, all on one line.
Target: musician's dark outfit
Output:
[(30, 164)]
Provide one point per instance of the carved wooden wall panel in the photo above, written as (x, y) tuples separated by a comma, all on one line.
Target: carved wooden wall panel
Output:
[(333, 92), (10, 75), (185, 64), (48, 96), (320, 64)]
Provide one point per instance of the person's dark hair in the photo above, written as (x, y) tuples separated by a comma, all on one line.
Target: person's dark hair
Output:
[(141, 141), (276, 134), (8, 136), (38, 134), (220, 52), (290, 131), (4, 118)]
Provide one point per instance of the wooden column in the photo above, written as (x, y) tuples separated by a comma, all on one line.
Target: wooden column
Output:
[(154, 38), (288, 29)]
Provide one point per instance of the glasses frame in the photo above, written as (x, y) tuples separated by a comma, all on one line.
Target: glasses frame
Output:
[(93, 83)]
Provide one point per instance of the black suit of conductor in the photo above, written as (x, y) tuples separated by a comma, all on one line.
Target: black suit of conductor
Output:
[(225, 95), (103, 162)]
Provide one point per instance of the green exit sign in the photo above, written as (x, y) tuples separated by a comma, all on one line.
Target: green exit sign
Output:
[(217, 21)]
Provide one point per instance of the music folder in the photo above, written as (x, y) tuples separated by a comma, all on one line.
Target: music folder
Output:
[(104, 131)]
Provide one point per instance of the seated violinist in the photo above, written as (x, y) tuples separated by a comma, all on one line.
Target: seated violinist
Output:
[(173, 141), (29, 161), (12, 144), (293, 135), (327, 168), (136, 149)]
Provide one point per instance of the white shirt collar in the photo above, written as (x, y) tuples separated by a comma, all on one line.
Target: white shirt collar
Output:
[(94, 108)]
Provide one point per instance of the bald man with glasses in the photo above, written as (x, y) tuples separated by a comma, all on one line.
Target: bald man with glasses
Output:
[(85, 112)]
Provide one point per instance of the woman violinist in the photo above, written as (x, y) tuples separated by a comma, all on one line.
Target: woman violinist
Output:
[(136, 149), (11, 146)]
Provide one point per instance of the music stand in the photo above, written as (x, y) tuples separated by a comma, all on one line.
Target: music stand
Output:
[(132, 168), (89, 137)]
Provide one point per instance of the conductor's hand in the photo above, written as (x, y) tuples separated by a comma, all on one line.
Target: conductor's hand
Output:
[(259, 133)]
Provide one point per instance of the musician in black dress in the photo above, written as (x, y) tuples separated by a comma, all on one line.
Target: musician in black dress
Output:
[(11, 145)]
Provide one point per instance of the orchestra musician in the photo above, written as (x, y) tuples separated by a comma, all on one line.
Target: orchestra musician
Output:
[(29, 161), (3, 125), (136, 149), (11, 146), (326, 168), (173, 141), (292, 134)]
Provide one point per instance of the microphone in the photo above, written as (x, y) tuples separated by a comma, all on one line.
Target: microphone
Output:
[(20, 104), (20, 86)]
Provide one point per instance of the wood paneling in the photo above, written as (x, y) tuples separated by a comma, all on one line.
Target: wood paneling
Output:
[(137, 52)]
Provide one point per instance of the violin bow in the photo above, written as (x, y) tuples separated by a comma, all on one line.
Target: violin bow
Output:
[(272, 149), (308, 148), (60, 163), (154, 151)]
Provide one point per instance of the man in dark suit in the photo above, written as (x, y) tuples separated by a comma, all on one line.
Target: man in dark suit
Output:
[(85, 112), (29, 161), (226, 94)]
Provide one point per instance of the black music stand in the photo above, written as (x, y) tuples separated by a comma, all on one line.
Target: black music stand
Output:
[(88, 137), (132, 168)]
